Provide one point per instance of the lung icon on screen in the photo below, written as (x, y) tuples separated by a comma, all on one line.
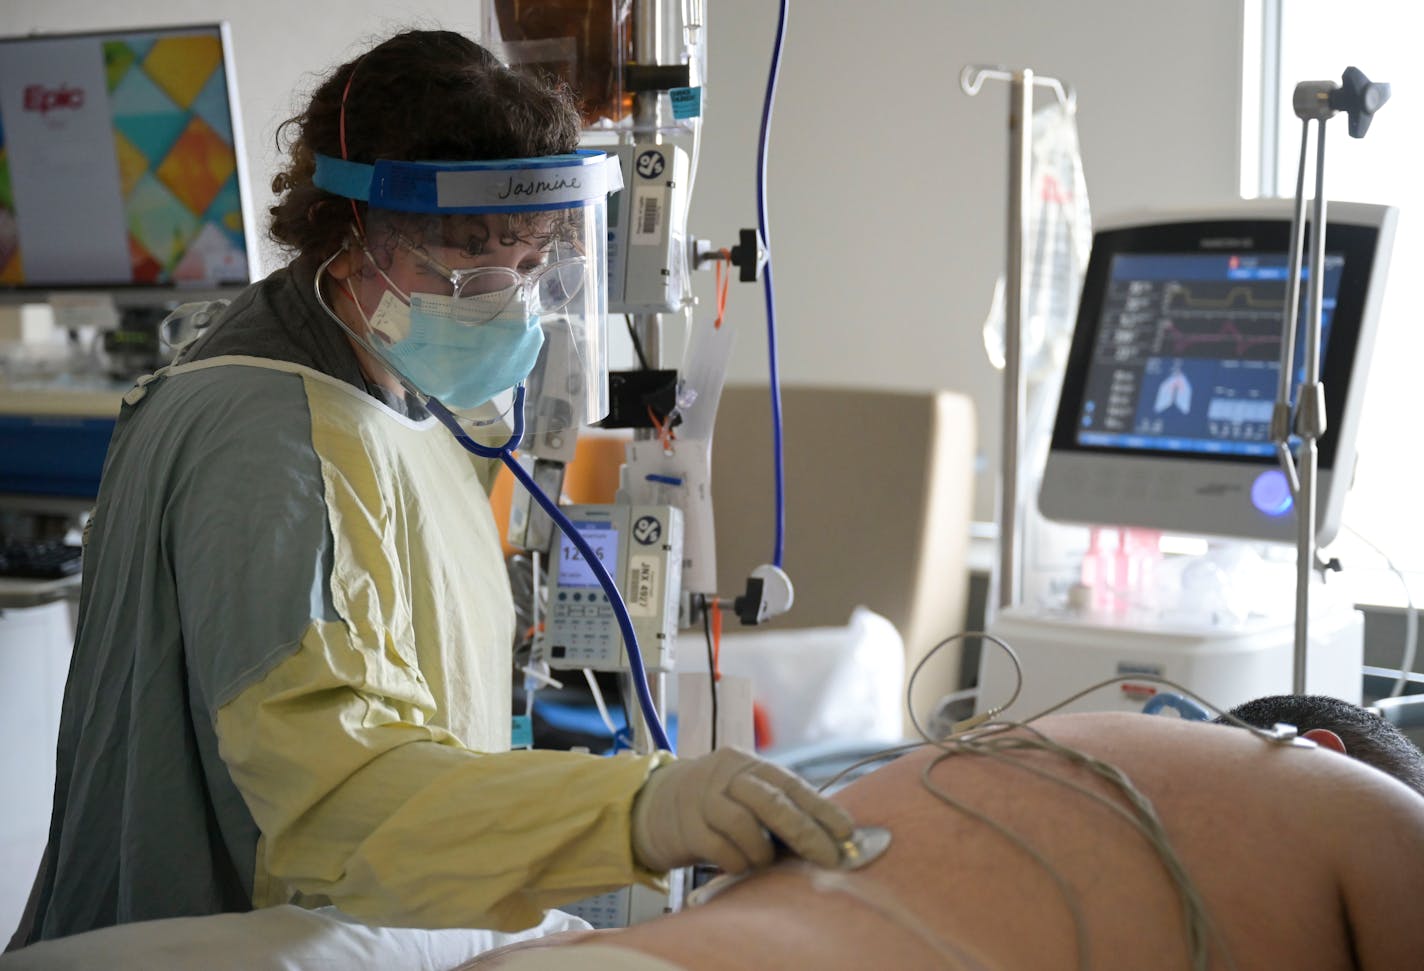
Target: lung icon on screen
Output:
[(1174, 392)]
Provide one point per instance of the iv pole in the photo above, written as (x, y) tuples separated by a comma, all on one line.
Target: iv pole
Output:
[(1315, 101), (1021, 89)]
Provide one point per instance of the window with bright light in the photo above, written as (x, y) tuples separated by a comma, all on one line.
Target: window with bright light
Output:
[(1317, 41)]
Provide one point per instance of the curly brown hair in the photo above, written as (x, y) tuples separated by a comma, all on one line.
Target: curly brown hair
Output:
[(422, 95)]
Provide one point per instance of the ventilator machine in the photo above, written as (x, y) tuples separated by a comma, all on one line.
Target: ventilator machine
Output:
[(1184, 376)]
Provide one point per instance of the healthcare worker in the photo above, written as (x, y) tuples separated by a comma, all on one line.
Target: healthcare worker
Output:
[(291, 676)]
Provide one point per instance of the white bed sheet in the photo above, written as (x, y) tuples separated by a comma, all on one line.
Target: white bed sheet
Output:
[(283, 938)]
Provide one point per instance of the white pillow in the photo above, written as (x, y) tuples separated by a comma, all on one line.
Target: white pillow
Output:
[(817, 684)]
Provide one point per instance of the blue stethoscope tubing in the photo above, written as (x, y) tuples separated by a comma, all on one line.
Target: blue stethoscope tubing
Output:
[(505, 453)]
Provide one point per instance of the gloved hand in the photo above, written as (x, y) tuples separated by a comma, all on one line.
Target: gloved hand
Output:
[(718, 808)]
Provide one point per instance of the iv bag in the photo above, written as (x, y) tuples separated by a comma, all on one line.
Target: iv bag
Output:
[(1060, 238)]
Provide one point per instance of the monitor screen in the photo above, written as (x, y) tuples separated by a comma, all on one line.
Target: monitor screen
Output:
[(121, 162), (574, 570), (1164, 420), (1188, 351)]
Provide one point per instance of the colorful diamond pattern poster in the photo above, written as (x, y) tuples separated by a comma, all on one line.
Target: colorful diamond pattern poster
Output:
[(12, 266), (177, 165), (161, 99)]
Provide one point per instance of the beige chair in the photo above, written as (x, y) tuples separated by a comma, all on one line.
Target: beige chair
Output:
[(879, 486)]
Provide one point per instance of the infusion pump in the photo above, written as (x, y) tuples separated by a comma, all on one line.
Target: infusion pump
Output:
[(641, 547)]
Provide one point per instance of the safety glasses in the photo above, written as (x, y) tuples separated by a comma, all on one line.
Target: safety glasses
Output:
[(548, 288)]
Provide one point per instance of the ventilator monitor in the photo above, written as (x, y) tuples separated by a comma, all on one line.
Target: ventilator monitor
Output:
[(1165, 414)]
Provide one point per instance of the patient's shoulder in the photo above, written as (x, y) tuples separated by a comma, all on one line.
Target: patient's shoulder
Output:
[(1236, 755), (1330, 815), (1346, 807), (1382, 876)]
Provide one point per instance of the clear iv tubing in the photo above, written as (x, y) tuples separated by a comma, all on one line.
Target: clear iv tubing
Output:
[(770, 289), (620, 610)]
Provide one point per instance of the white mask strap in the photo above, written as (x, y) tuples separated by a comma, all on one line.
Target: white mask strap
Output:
[(344, 284), (389, 282)]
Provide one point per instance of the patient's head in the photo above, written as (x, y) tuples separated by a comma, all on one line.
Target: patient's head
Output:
[(1342, 726)]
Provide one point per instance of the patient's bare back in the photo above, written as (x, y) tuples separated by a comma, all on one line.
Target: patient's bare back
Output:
[(1303, 859)]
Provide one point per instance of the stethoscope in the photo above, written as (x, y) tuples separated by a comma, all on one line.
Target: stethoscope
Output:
[(505, 454)]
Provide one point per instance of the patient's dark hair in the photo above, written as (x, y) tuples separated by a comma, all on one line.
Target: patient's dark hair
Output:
[(1367, 737), (422, 95)]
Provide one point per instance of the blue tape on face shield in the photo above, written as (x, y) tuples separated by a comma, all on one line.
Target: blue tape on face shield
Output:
[(461, 350)]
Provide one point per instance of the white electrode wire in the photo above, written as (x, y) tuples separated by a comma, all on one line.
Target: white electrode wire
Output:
[(1065, 889), (987, 727), (598, 701), (991, 741), (988, 738), (991, 713), (1411, 618), (837, 882), (1197, 919), (1142, 817), (1261, 733), (880, 756)]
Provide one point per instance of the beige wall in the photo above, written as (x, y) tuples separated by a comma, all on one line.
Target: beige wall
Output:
[(887, 185)]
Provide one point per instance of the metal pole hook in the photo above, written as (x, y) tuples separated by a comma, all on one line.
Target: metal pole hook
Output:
[(973, 76)]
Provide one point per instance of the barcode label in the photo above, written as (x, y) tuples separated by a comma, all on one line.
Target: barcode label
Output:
[(647, 227), (641, 595)]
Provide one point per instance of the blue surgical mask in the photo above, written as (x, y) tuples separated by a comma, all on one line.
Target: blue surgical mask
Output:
[(461, 350)]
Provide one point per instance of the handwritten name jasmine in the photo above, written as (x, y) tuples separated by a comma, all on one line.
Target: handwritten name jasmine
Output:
[(534, 187)]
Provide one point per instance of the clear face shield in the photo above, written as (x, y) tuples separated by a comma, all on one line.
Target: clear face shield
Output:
[(472, 279)]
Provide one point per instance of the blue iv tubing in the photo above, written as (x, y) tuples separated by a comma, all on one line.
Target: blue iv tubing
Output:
[(620, 610), (769, 288), (505, 454)]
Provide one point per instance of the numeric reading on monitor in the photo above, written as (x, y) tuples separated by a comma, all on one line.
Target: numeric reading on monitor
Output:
[(574, 570), (1187, 356)]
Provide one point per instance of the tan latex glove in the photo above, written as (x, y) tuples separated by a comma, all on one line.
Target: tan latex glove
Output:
[(718, 808)]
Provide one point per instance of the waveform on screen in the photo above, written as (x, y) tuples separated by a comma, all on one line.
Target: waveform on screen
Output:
[(1176, 340), (1237, 296)]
